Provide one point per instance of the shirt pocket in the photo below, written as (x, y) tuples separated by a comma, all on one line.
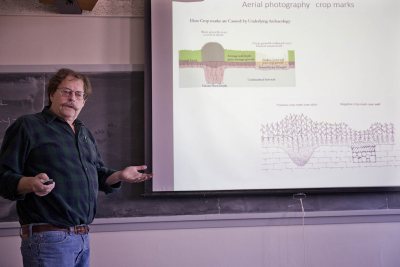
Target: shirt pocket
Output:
[(89, 149)]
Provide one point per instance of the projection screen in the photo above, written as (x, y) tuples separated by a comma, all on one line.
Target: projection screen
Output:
[(275, 94)]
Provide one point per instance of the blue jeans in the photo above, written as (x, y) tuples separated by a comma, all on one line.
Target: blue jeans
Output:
[(55, 248)]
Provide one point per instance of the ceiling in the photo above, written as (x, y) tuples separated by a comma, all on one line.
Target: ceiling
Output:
[(115, 8)]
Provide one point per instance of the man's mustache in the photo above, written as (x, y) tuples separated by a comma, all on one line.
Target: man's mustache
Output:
[(70, 105)]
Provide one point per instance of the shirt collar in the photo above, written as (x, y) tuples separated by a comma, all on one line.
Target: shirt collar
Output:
[(49, 116)]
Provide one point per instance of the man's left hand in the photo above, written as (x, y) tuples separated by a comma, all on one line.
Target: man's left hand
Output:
[(132, 174)]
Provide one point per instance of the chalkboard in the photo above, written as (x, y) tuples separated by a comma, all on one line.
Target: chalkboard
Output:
[(115, 115), (19, 94)]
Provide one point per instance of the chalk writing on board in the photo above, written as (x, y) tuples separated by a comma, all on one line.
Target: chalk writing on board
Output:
[(20, 94), (103, 134)]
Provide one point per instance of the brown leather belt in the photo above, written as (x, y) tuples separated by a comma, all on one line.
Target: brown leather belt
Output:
[(79, 229)]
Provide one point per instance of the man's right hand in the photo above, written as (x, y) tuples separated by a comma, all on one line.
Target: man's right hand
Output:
[(35, 185)]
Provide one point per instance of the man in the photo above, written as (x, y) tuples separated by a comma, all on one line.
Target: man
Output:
[(50, 164)]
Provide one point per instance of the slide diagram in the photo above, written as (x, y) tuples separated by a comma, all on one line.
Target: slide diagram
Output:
[(256, 68), (313, 144)]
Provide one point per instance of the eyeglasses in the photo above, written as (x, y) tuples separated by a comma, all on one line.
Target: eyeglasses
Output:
[(66, 92)]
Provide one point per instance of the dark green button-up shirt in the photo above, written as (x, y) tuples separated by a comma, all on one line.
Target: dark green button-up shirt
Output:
[(45, 143)]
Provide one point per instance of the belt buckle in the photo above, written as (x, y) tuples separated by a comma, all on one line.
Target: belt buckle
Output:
[(77, 230), (80, 229)]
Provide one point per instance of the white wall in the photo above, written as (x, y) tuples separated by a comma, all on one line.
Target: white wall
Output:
[(48, 40), (344, 245)]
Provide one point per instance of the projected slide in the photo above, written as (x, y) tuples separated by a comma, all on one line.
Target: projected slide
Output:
[(277, 94)]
